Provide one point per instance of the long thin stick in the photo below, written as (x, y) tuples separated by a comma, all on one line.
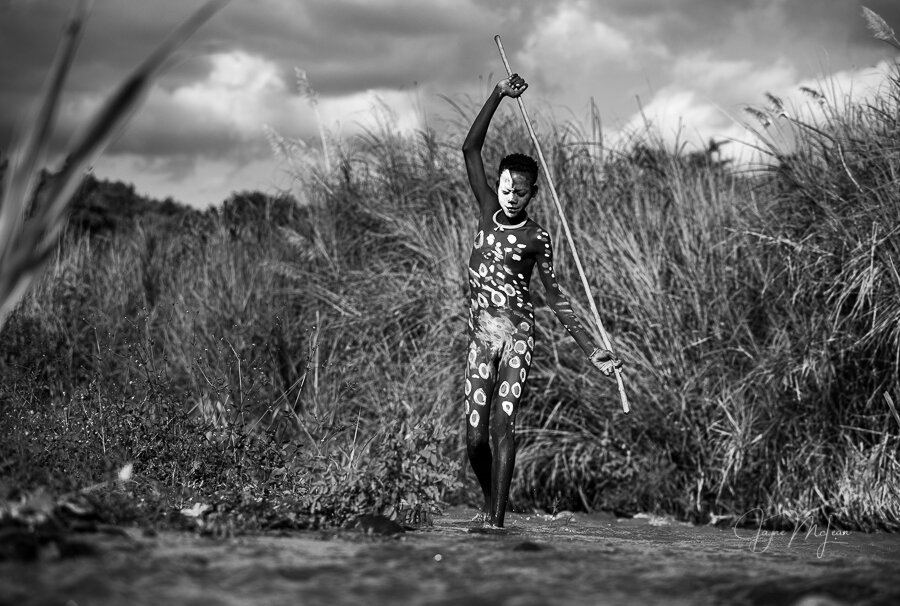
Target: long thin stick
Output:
[(565, 224)]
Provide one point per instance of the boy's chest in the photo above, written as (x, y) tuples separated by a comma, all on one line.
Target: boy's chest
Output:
[(506, 247)]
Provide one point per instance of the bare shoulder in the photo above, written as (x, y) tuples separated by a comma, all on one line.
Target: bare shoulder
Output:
[(536, 235)]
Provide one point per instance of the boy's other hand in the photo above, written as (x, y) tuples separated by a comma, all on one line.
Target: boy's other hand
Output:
[(604, 360), (513, 86)]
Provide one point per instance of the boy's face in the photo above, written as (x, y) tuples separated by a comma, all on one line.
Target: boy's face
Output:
[(514, 191)]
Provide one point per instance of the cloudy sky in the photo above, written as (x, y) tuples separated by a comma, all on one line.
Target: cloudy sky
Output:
[(689, 66)]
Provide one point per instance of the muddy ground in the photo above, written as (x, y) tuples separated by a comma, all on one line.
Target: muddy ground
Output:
[(539, 559)]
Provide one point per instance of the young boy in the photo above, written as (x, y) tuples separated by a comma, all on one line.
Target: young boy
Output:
[(508, 245)]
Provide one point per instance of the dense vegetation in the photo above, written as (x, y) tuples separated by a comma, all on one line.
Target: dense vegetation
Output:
[(292, 362)]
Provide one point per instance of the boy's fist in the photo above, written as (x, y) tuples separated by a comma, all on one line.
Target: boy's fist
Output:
[(604, 360), (513, 86)]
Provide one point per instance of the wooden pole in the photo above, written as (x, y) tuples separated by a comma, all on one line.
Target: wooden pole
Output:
[(568, 232)]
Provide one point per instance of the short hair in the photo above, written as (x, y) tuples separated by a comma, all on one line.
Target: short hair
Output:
[(520, 163)]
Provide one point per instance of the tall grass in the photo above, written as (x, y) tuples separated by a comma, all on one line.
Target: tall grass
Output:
[(317, 348), (756, 313)]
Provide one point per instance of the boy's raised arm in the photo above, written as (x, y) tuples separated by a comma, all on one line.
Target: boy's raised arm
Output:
[(510, 87)]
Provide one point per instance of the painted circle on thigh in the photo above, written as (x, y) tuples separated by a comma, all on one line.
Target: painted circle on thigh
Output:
[(473, 418), (520, 347), (484, 370), (516, 389), (479, 397), (468, 386), (522, 374), (504, 388), (507, 407), (515, 362)]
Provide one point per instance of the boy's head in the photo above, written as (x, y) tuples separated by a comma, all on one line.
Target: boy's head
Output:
[(516, 183)]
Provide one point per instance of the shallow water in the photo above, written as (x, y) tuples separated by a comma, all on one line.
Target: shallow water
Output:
[(539, 559)]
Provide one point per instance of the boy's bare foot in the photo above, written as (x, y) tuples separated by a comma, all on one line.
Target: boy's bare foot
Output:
[(480, 517)]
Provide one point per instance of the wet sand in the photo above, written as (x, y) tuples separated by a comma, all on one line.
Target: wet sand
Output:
[(567, 559)]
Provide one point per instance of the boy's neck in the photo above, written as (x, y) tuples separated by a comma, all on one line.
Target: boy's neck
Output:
[(500, 218)]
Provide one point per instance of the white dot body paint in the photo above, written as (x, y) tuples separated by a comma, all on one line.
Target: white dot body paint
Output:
[(515, 362), (468, 386), (484, 370), (479, 239), (473, 418), (504, 388), (516, 390), (479, 397), (507, 407), (490, 239), (522, 374), (520, 347), (511, 239)]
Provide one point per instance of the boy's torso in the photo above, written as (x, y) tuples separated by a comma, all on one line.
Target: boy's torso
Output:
[(501, 264)]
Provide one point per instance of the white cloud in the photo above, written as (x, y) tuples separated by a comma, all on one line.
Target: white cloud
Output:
[(732, 81), (710, 108), (678, 116), (240, 92), (568, 43), (371, 109), (200, 142)]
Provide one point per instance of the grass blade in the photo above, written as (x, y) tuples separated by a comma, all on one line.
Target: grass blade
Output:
[(26, 164)]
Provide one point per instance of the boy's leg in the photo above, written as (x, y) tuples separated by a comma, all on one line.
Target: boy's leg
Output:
[(480, 374), (510, 384)]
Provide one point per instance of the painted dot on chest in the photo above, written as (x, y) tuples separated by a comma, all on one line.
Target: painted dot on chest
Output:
[(511, 239)]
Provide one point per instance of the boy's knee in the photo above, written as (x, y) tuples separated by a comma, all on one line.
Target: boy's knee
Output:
[(503, 428), (477, 437)]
